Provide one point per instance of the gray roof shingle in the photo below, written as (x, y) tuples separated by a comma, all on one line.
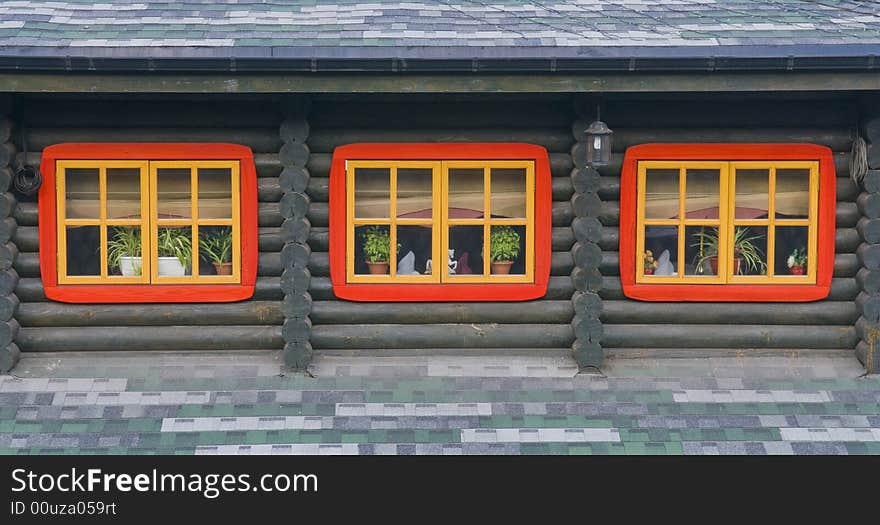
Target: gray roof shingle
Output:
[(432, 29)]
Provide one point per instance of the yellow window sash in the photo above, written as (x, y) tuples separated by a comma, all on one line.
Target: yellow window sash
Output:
[(102, 222), (440, 221)]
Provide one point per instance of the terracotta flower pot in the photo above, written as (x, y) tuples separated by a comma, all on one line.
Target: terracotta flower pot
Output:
[(796, 270), (224, 268), (649, 271), (378, 268), (713, 263), (501, 267)]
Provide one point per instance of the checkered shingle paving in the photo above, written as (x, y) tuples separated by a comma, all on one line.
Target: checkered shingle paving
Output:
[(243, 403), (452, 23)]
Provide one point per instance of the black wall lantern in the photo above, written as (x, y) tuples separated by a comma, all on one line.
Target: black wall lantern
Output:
[(598, 142)]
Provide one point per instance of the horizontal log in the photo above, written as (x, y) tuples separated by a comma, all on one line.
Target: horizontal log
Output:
[(739, 353), (26, 213), (506, 352), (818, 313), (728, 336), (842, 289), (869, 205), (846, 240), (871, 182), (845, 264), (748, 113), (30, 289), (260, 140), (269, 214), (324, 140), (152, 113), (417, 113), (343, 312), (131, 338), (268, 189), (347, 336), (837, 138), (211, 314)]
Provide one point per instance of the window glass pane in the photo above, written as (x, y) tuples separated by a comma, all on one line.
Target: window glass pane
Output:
[(701, 251), (508, 187), (83, 250), (749, 250), (661, 194), (215, 193), (466, 193), (465, 255), (702, 187), (791, 250), (215, 250), (123, 193), (173, 193), (414, 193), (81, 193), (792, 194), (752, 193), (661, 251), (414, 250), (372, 250), (174, 244), (124, 251), (507, 246), (372, 188)]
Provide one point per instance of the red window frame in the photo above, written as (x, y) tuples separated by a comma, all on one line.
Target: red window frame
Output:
[(440, 292), (148, 293), (728, 292)]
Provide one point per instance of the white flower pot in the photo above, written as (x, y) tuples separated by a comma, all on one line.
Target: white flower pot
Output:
[(171, 267), (130, 266)]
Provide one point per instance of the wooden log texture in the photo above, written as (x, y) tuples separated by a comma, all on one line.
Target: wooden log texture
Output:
[(817, 313), (153, 113), (324, 140), (131, 338), (871, 182), (728, 336), (558, 287), (343, 312), (442, 336), (9, 357), (47, 314), (261, 140), (30, 289)]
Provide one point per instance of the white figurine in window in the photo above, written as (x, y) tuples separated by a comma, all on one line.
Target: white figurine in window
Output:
[(452, 264)]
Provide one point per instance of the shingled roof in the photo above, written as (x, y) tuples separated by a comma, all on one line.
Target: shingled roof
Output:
[(438, 30)]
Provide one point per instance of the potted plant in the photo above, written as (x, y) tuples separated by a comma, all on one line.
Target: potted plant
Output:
[(216, 248), (744, 251), (124, 250), (650, 263), (504, 249), (797, 261), (377, 249), (175, 251)]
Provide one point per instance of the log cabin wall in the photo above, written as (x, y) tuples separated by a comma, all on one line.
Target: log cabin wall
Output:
[(634, 328), (9, 351), (350, 328), (52, 326), (868, 278)]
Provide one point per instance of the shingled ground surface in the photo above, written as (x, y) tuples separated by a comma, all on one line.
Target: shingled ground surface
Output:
[(244, 403)]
